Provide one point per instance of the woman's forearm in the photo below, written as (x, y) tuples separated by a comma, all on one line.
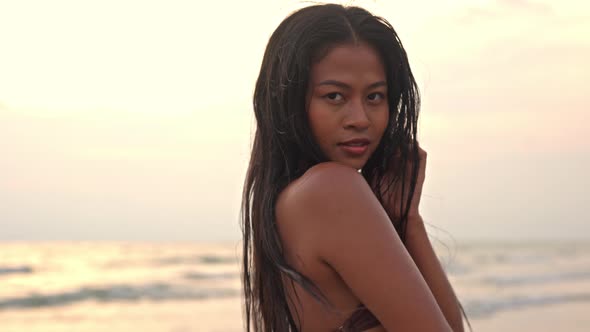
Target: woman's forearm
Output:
[(420, 248)]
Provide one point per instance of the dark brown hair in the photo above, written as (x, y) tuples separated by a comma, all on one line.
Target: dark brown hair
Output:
[(284, 148)]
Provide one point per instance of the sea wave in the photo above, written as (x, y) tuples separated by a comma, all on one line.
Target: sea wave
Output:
[(511, 258), (208, 276), (518, 280), (480, 308), (4, 270), (196, 259), (113, 293), (171, 261)]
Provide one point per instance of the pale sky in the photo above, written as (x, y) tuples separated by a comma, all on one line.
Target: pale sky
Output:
[(131, 120)]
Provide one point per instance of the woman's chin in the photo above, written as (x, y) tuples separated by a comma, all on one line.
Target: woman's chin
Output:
[(356, 164)]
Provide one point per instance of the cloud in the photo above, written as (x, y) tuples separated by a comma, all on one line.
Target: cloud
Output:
[(474, 14), (503, 8), (532, 6)]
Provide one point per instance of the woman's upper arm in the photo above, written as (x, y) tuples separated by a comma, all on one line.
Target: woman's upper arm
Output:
[(353, 234)]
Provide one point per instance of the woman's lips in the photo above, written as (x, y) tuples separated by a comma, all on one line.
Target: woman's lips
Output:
[(355, 147), (355, 150)]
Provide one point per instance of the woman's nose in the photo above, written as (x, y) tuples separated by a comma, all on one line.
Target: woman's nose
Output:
[(356, 116)]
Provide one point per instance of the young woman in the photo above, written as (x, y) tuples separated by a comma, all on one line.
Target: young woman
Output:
[(333, 238)]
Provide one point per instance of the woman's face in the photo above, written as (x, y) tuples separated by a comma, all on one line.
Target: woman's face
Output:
[(347, 103)]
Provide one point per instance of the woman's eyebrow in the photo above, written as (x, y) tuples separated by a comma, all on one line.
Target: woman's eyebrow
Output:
[(336, 83), (346, 86), (377, 84)]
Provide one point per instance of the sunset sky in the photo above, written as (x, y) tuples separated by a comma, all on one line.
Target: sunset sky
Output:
[(131, 120)]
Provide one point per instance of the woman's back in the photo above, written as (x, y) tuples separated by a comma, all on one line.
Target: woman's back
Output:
[(335, 232)]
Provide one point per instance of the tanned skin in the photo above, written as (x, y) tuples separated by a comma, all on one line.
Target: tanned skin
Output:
[(335, 231)]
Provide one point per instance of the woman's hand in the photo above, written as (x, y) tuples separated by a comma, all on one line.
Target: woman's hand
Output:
[(392, 200)]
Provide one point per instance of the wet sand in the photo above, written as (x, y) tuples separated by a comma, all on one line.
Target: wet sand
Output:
[(225, 315)]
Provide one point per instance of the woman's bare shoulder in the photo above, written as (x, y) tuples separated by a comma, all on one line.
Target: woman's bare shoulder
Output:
[(309, 208), (332, 216), (307, 199), (319, 180)]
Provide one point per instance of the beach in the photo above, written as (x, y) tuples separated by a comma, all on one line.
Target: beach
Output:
[(224, 315), (551, 318), (100, 287)]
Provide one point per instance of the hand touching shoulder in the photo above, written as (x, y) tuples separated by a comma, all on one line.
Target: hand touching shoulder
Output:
[(343, 223)]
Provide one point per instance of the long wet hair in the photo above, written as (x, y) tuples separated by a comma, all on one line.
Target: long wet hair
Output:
[(284, 147)]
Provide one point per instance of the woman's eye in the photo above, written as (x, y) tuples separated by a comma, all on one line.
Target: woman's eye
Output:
[(376, 97), (334, 96)]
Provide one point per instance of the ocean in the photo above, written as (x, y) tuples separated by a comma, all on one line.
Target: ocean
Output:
[(182, 287)]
